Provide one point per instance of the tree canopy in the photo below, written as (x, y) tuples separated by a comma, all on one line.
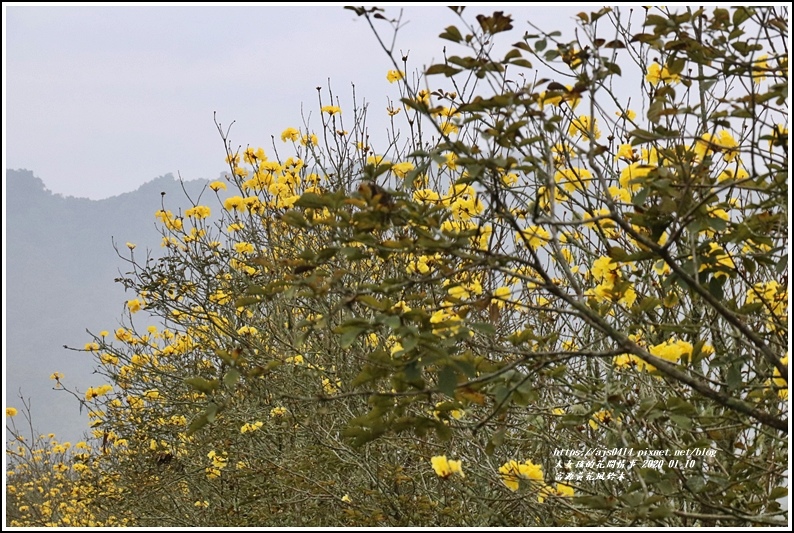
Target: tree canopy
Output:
[(555, 294)]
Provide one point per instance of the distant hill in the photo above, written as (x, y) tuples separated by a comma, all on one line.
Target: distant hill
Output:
[(60, 268)]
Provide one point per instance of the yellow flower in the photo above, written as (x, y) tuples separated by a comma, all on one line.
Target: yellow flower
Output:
[(779, 136), (346, 498), (331, 109), (377, 160), (448, 128), (513, 471), (234, 202), (10, 411), (626, 151), (91, 347), (629, 114), (57, 376), (251, 427), (451, 161), (780, 382), (169, 220), (670, 350), (131, 246), (558, 97), (573, 178), (759, 68), (631, 175), (395, 75), (600, 418), (290, 134), (200, 211), (217, 185), (534, 236), (444, 468), (584, 126), (151, 394), (657, 73), (427, 196), (626, 360), (620, 194), (401, 169), (331, 387), (277, 412), (247, 330), (134, 305), (244, 248), (252, 155), (561, 491), (309, 139)]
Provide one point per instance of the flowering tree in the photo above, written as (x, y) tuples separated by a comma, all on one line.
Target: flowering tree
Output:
[(533, 303)]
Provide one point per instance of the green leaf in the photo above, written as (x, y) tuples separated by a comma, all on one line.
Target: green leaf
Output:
[(326, 253), (616, 253), (447, 381), (613, 68), (484, 328), (443, 431), (312, 200), (696, 483), (349, 335), (495, 441), (245, 301), (231, 377), (353, 253), (512, 54), (392, 321), (202, 385), (521, 63), (683, 421), (742, 14), (446, 70), (596, 502), (197, 423), (412, 372), (660, 512), (715, 287), (212, 410), (734, 377), (295, 219), (451, 33)]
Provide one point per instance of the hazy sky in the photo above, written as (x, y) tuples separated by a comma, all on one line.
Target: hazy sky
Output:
[(98, 100)]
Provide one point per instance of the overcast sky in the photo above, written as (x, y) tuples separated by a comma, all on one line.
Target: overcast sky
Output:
[(98, 100)]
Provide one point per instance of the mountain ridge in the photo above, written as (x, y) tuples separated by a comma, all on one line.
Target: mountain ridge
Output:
[(60, 270)]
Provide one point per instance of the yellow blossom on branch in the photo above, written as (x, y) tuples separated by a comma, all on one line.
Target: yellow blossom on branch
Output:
[(311, 138), (200, 211), (657, 73), (401, 169), (290, 134), (444, 468), (512, 472), (584, 126), (395, 75)]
